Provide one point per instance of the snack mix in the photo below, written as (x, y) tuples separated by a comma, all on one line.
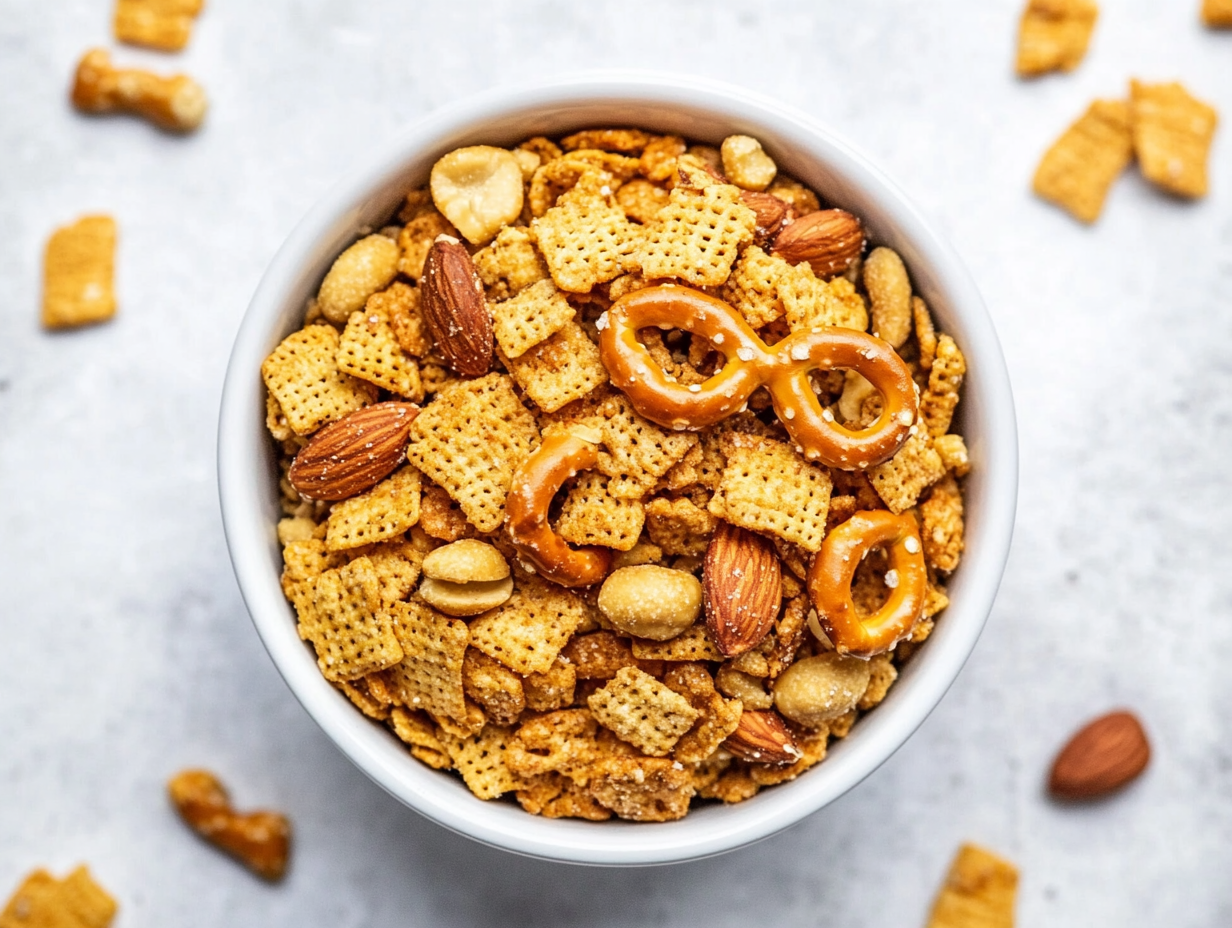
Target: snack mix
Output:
[(616, 474)]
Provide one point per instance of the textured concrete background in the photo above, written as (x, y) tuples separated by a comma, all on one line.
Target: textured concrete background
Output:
[(126, 650)]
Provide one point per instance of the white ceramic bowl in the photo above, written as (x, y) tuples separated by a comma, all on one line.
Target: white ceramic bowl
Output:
[(702, 111)]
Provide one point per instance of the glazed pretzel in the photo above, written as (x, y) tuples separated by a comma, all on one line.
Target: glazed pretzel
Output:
[(783, 369), (829, 582), (558, 458)]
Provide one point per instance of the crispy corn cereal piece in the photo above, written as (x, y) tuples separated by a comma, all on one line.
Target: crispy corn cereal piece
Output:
[(979, 892), (396, 564), (925, 333), (734, 784), (297, 528), (429, 676), (365, 268), (302, 563), (387, 510), (400, 303), (162, 24), (812, 743), (527, 633), (941, 529), (882, 676), (470, 723), (697, 236), (276, 420), (642, 711), (303, 377), (953, 451), (364, 701), (440, 517), (643, 789), (481, 761), (352, 633), (900, 480), (753, 287), (496, 688), (417, 202), (416, 239), (559, 742), (745, 162), (642, 200), (768, 487), (371, 351), (585, 241), (693, 644), (1079, 168), (563, 175), (559, 370), (624, 141), (719, 717), (78, 273), (469, 440), (939, 401), (592, 516), (419, 733), (678, 527), (1217, 13), (810, 302), (789, 634), (1172, 136), (598, 655), (508, 266), (42, 901), (1054, 34), (795, 195), (552, 689), (658, 161), (637, 452), (554, 796)]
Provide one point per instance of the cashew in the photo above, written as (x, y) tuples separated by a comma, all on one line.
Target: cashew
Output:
[(478, 189), (746, 164)]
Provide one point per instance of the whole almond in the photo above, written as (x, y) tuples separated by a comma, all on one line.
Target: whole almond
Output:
[(771, 213), (742, 585), (355, 453), (1103, 756), (762, 737), (829, 240), (455, 309)]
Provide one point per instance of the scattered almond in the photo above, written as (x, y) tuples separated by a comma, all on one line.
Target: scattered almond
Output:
[(355, 453), (829, 240), (742, 585), (1102, 757), (455, 309)]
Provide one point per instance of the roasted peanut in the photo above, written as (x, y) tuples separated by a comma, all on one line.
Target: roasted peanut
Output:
[(748, 689), (465, 578), (360, 271), (746, 164), (651, 601), (260, 841), (478, 189), (889, 290), (175, 103), (816, 689)]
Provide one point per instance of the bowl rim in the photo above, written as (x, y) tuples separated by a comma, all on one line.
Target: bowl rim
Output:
[(355, 201)]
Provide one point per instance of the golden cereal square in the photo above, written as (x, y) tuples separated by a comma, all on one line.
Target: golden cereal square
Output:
[(624, 141), (979, 890), (642, 711), (753, 287), (697, 236), (643, 789), (531, 317), (496, 688), (679, 527), (509, 265), (561, 369), (469, 441), (551, 689), (636, 451), (528, 631), (693, 644), (900, 480), (941, 528), (585, 241), (371, 351), (162, 24), (429, 676), (592, 516), (303, 376), (386, 511), (351, 632), (1078, 170), (396, 564), (1172, 137), (810, 303), (1217, 13), (42, 901), (642, 200), (400, 303), (417, 730), (559, 742), (78, 273), (416, 239), (303, 562), (1054, 34), (939, 401), (767, 487), (481, 761), (276, 420)]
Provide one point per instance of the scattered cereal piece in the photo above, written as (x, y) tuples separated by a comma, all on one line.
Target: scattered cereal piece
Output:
[(642, 200), (400, 303), (386, 511), (900, 480), (812, 746), (162, 24), (559, 742), (42, 901), (478, 189), (560, 369), (625, 141), (978, 892), (882, 674), (551, 689), (592, 516), (440, 517), (371, 351), (719, 717), (429, 676), (638, 452), (811, 302), (1217, 13), (678, 526), (753, 287), (585, 241), (176, 103), (303, 562), (554, 796), (795, 195), (1054, 35), (598, 655), (642, 711), (349, 628), (1172, 136), (696, 237), (941, 528), (746, 163), (768, 487), (363, 269), (261, 841), (953, 451), (527, 633), (1076, 172), (496, 688), (78, 272)]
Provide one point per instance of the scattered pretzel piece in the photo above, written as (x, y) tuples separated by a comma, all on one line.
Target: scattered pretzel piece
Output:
[(829, 582), (175, 103), (78, 271), (978, 892), (260, 841)]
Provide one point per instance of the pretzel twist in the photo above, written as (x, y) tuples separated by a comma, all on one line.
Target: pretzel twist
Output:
[(829, 582), (558, 458), (783, 370)]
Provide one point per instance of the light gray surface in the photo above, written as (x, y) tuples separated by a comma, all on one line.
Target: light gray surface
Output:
[(127, 653)]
